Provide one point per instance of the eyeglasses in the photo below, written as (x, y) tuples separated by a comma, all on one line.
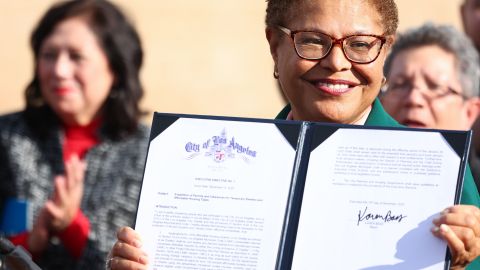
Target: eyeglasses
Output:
[(312, 45), (433, 91)]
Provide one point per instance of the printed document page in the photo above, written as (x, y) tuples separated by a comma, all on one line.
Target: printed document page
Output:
[(370, 197), (214, 195)]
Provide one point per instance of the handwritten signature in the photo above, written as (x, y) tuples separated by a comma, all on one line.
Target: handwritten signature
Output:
[(386, 217)]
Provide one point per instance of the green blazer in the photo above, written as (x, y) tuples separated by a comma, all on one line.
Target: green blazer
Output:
[(378, 117)]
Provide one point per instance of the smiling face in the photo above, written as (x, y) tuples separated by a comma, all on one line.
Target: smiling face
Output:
[(332, 89), (74, 73), (424, 67)]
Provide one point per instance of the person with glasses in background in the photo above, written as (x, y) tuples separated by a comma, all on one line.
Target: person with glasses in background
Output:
[(328, 59), (433, 81), (470, 14)]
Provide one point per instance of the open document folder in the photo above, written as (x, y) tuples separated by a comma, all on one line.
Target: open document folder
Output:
[(237, 193)]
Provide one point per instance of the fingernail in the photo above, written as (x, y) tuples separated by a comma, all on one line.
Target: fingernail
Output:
[(444, 228), (143, 259), (435, 229), (137, 243)]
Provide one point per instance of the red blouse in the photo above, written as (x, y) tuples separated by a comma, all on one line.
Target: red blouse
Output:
[(78, 140)]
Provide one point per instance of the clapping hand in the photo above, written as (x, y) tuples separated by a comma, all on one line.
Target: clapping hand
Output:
[(68, 194), (59, 211)]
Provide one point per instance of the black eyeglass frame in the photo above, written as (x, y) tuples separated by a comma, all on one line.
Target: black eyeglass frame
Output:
[(292, 33), (448, 91)]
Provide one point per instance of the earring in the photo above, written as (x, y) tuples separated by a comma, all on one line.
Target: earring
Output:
[(384, 81), (275, 72), (384, 86)]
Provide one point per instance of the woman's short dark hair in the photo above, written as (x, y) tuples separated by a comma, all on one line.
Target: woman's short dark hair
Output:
[(279, 11), (122, 46)]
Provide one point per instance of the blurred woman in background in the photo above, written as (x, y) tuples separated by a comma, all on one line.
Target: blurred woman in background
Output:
[(75, 155)]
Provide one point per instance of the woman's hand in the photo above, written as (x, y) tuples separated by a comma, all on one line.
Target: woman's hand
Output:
[(126, 253), (68, 194), (459, 225)]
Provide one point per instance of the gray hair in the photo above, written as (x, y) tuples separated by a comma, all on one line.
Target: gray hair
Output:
[(452, 41)]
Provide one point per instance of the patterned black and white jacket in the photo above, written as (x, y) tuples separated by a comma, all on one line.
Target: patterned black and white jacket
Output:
[(113, 178)]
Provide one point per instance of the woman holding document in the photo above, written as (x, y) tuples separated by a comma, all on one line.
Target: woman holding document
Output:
[(329, 57)]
